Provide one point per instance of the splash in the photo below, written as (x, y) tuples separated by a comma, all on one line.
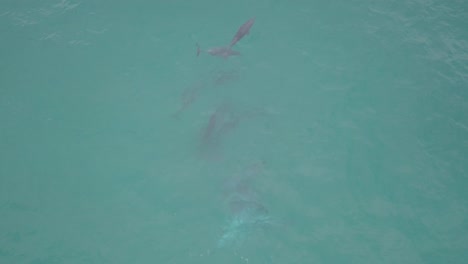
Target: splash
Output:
[(242, 225)]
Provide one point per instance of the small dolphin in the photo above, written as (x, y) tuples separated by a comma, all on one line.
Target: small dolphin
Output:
[(224, 52), (243, 30)]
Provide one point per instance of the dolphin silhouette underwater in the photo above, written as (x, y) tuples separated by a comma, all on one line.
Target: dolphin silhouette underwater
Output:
[(247, 213)]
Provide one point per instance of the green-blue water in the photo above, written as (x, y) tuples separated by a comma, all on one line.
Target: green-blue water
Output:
[(357, 111)]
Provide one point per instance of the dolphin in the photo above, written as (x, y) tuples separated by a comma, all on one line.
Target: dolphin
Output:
[(223, 52), (247, 213), (243, 30), (226, 52)]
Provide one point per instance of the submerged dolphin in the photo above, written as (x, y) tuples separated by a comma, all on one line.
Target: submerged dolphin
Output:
[(247, 213), (243, 30)]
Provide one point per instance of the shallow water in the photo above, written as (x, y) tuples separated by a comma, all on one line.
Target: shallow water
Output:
[(357, 111)]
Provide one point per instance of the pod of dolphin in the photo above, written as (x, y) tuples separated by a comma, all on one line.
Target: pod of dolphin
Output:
[(246, 212)]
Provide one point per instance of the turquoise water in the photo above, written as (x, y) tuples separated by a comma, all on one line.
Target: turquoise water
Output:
[(356, 111)]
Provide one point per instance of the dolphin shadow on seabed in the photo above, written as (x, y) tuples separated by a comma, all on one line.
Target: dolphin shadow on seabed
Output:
[(247, 215)]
